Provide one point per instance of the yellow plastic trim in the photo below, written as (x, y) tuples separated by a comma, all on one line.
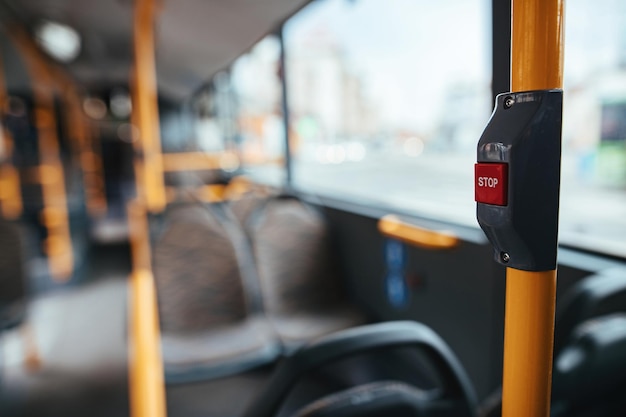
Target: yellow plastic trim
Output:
[(391, 226)]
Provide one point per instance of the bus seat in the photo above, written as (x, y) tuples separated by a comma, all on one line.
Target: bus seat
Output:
[(386, 398), (594, 296), (590, 372), (208, 321), (395, 368), (12, 275), (302, 292)]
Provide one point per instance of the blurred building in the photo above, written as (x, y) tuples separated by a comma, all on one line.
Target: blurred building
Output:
[(326, 92)]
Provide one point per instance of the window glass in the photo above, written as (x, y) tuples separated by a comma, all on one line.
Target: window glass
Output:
[(387, 105), (214, 122), (211, 135), (593, 194), (260, 136), (388, 100)]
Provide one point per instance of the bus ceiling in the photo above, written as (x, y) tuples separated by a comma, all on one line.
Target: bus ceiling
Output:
[(194, 38)]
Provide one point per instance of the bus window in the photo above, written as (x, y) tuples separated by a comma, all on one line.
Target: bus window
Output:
[(260, 137), (210, 134), (593, 194), (386, 106), (387, 103)]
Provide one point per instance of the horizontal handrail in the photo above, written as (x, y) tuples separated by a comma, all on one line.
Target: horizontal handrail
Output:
[(205, 161), (209, 193), (190, 161), (391, 226)]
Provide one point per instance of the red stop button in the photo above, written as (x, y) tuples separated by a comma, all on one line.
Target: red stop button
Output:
[(491, 183)]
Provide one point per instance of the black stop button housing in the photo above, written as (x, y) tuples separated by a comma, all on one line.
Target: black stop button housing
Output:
[(525, 133)]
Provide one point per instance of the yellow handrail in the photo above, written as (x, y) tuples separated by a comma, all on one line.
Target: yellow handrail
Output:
[(145, 109), (211, 193), (391, 226), (190, 161), (201, 161), (537, 64)]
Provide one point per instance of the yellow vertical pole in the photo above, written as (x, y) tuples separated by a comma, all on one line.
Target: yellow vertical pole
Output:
[(55, 216), (537, 45), (52, 178), (10, 192), (147, 388), (145, 105), (536, 64), (528, 340)]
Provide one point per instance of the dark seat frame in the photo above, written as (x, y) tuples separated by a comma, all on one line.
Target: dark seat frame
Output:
[(359, 340)]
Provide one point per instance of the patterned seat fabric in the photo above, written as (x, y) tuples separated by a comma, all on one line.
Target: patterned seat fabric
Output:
[(209, 315), (245, 207), (291, 246), (302, 291), (196, 272), (230, 300)]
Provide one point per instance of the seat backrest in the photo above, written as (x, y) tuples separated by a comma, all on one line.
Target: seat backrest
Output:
[(594, 296), (378, 399), (291, 245), (197, 274), (12, 275), (377, 388), (590, 372), (245, 206)]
